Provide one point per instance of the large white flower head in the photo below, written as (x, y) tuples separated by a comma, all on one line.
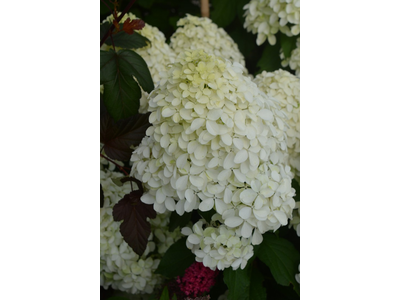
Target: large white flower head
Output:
[(216, 141), (266, 17), (120, 266), (285, 87), (294, 60), (218, 247), (202, 33), (157, 56)]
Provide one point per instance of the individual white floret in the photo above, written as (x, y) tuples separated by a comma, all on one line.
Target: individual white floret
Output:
[(266, 17), (218, 247), (157, 56), (286, 88), (216, 141), (201, 33), (294, 60), (120, 267)]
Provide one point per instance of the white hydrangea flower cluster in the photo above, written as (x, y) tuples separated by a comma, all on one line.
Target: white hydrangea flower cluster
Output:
[(218, 247), (294, 60), (295, 221), (219, 142), (285, 87), (202, 33), (120, 266), (157, 56), (267, 17)]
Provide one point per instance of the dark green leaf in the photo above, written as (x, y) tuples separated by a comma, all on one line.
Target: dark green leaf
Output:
[(176, 220), (117, 298), (257, 290), (270, 60), (174, 297), (296, 186), (122, 96), (245, 40), (240, 10), (223, 12), (122, 39), (207, 215), (101, 196), (134, 213), (121, 92), (145, 3), (119, 137), (178, 252), (136, 66), (282, 259), (288, 44), (165, 294), (238, 283), (108, 67)]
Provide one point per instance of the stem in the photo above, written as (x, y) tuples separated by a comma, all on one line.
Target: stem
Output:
[(118, 19), (205, 9), (121, 168)]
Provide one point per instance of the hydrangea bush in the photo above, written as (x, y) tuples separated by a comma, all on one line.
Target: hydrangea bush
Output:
[(200, 155)]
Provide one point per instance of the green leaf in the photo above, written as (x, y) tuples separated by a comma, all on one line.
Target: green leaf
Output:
[(108, 67), (178, 252), (270, 60), (288, 44), (238, 283), (121, 92), (257, 290), (145, 3), (176, 220), (224, 12), (122, 39), (240, 10), (117, 298), (207, 215), (138, 68), (282, 259), (174, 297), (165, 294)]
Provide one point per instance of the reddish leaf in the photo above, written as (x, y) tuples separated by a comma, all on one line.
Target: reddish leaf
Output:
[(130, 26), (118, 137), (135, 228)]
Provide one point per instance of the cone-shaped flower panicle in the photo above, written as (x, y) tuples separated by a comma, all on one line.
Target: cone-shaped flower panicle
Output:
[(266, 17)]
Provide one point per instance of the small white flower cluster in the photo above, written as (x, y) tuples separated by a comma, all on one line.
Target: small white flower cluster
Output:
[(216, 141), (295, 221), (120, 266), (157, 56), (285, 87), (267, 17), (218, 247), (294, 60), (202, 33)]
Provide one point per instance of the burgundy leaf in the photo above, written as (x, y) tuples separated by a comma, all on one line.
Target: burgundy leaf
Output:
[(118, 137), (130, 26), (135, 228)]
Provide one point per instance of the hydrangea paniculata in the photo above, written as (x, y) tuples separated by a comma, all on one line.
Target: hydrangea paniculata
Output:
[(201, 33), (286, 88), (216, 141), (120, 267), (266, 17)]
